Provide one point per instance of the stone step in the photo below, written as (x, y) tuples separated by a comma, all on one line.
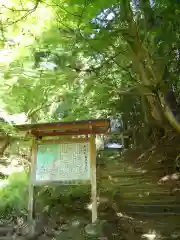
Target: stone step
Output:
[(6, 232), (6, 225), (6, 238), (6, 229)]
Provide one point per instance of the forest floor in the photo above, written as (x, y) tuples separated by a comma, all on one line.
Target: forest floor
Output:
[(138, 195)]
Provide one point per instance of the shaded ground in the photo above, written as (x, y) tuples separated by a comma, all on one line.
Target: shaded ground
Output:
[(137, 201), (143, 195), (133, 205)]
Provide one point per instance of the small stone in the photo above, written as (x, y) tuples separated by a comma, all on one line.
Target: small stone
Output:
[(95, 229), (64, 227), (75, 223), (44, 237)]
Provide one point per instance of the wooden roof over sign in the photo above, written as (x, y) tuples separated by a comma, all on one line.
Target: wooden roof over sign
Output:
[(83, 127)]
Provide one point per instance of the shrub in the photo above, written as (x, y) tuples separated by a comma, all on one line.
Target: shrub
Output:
[(66, 197), (14, 196)]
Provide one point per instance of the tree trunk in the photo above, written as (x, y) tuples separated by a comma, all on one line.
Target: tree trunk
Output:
[(4, 143), (169, 114), (146, 68)]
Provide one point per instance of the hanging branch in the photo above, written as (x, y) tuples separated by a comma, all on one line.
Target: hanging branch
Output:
[(27, 13)]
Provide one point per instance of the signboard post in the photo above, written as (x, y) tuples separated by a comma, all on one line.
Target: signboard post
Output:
[(93, 178), (64, 161), (31, 188)]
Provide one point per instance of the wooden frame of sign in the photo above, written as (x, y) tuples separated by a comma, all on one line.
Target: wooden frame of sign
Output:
[(72, 135)]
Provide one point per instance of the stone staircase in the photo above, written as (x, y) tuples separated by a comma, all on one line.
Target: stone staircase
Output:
[(7, 232)]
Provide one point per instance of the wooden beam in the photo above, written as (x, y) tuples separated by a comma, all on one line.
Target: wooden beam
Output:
[(73, 133), (84, 124), (65, 182)]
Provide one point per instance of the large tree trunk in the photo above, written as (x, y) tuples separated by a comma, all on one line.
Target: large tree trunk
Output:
[(168, 113), (4, 143), (146, 69)]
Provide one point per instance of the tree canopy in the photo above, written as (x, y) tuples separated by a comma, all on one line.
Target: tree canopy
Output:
[(87, 59)]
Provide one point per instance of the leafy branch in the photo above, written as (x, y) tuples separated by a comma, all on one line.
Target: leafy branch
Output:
[(27, 13)]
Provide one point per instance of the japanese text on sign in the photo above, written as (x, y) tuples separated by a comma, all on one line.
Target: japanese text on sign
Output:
[(63, 162)]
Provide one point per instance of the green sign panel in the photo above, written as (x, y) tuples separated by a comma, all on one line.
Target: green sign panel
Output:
[(63, 162)]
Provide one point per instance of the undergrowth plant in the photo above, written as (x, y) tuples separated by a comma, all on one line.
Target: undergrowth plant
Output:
[(14, 196)]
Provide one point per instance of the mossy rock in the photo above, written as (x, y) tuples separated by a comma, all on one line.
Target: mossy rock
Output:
[(73, 232), (96, 229)]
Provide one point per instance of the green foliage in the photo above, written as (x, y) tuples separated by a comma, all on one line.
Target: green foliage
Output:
[(13, 197), (103, 57), (65, 198)]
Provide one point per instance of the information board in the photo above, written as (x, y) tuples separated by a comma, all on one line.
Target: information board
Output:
[(62, 162)]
